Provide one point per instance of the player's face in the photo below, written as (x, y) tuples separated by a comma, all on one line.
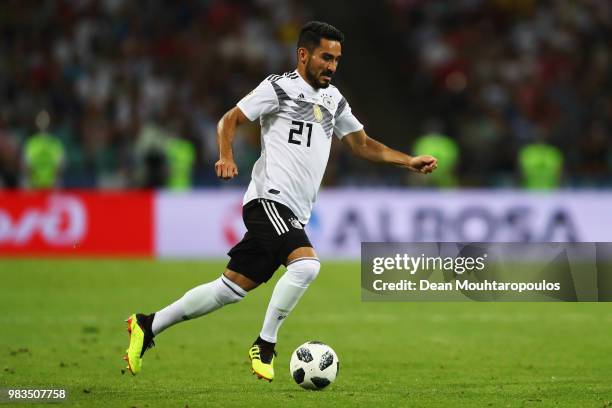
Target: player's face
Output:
[(321, 64)]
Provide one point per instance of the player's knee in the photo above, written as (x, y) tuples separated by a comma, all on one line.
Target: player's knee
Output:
[(303, 271), (211, 296), (229, 291), (228, 298)]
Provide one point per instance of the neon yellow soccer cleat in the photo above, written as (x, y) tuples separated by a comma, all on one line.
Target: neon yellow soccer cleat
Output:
[(262, 362), (141, 339)]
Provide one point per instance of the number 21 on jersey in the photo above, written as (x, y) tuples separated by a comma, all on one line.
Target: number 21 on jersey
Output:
[(297, 130)]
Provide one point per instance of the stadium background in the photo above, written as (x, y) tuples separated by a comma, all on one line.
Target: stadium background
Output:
[(491, 75), (120, 82)]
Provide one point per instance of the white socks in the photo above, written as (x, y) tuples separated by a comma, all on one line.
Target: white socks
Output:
[(198, 301), (211, 296), (287, 292)]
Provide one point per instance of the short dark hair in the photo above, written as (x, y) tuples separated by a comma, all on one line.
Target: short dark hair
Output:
[(312, 32)]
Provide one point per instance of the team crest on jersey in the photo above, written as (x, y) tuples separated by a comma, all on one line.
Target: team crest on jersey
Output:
[(295, 223), (328, 102), (318, 115)]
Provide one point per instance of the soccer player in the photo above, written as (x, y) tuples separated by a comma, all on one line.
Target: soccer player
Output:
[(299, 112)]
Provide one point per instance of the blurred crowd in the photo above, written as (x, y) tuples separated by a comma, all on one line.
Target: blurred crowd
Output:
[(132, 90), (118, 78), (500, 75)]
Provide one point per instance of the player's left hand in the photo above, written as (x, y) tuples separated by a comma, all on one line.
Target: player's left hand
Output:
[(423, 164)]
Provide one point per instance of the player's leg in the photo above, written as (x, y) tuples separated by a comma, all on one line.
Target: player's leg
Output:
[(230, 287), (291, 247), (302, 268), (249, 265)]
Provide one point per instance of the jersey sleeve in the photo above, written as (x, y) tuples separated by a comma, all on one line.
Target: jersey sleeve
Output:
[(346, 122), (259, 101)]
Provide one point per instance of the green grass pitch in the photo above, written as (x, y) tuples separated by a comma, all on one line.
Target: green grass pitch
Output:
[(61, 326)]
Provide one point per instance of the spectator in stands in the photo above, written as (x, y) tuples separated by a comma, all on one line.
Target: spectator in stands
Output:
[(150, 156), (9, 157), (180, 156), (541, 166), (43, 156), (445, 149)]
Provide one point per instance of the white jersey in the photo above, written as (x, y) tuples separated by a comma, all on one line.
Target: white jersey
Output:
[(297, 123)]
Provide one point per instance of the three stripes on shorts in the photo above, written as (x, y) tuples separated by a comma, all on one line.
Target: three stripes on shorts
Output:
[(275, 218)]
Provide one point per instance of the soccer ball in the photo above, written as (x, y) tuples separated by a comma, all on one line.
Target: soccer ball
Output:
[(314, 365)]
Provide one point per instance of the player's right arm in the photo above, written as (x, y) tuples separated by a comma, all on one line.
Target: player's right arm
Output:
[(262, 100), (226, 167)]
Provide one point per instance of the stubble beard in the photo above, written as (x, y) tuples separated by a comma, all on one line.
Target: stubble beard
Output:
[(312, 78)]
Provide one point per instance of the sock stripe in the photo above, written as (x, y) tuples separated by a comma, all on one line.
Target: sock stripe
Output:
[(231, 288), (305, 258)]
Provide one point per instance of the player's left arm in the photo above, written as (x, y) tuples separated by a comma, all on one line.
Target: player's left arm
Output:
[(361, 145)]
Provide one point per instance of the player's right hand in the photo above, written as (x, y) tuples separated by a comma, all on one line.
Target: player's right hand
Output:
[(226, 169)]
